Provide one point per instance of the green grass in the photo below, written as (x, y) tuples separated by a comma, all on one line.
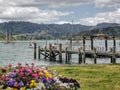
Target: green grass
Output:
[(93, 77)]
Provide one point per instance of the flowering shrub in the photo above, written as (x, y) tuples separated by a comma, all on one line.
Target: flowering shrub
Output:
[(31, 77)]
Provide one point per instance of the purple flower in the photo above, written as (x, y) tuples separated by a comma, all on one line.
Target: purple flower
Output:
[(51, 80), (11, 82), (12, 75), (21, 84), (44, 80)]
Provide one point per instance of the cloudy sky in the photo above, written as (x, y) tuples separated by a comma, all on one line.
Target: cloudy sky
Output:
[(86, 12)]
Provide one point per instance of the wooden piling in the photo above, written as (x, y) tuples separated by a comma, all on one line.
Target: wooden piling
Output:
[(84, 56), (66, 55), (113, 58), (35, 53), (106, 44), (45, 51), (95, 56), (79, 56), (69, 57), (91, 42), (39, 52), (50, 51), (114, 43), (60, 53)]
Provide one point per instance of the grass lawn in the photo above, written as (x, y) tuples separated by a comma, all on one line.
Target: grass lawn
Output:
[(93, 77)]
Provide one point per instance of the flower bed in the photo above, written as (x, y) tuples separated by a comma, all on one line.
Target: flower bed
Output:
[(32, 77)]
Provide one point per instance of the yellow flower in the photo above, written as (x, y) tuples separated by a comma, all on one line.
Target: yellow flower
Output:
[(23, 88), (7, 89), (33, 84), (48, 75), (41, 73)]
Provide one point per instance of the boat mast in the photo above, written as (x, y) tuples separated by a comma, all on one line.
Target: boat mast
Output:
[(71, 36), (7, 36)]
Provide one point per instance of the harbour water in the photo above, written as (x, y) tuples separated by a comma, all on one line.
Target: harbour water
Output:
[(20, 52)]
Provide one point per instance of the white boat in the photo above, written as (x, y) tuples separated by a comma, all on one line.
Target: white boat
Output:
[(31, 45)]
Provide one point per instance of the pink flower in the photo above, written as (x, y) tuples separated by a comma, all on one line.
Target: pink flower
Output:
[(35, 75), (10, 65), (21, 73), (7, 79), (26, 64), (16, 85)]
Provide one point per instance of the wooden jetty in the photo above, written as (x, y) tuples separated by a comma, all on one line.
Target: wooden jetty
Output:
[(51, 52)]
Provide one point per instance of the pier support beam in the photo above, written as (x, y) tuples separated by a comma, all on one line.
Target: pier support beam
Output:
[(50, 51), (95, 56), (91, 38), (35, 53), (84, 56), (39, 52), (45, 51), (106, 44), (66, 55), (114, 43), (60, 53), (79, 56), (113, 58)]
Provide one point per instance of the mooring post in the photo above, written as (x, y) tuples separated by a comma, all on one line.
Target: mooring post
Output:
[(95, 56), (114, 43), (113, 58), (45, 51), (39, 52), (50, 51), (106, 45), (69, 57), (79, 56), (84, 56), (35, 53), (66, 55), (60, 53), (91, 42)]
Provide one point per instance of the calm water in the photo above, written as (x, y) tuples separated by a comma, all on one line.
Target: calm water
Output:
[(21, 52)]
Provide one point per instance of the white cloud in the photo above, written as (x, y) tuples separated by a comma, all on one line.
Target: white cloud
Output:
[(107, 3), (50, 3), (30, 14), (58, 3), (110, 17), (29, 10)]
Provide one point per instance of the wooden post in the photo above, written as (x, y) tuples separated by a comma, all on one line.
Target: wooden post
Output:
[(114, 43), (50, 51), (95, 56), (35, 47), (106, 45), (39, 52), (91, 42), (113, 58), (60, 53), (69, 57), (84, 56), (66, 55), (45, 53), (79, 56)]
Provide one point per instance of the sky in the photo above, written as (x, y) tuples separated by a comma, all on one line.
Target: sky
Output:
[(85, 12)]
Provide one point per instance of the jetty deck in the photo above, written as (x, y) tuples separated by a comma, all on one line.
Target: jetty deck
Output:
[(51, 52)]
